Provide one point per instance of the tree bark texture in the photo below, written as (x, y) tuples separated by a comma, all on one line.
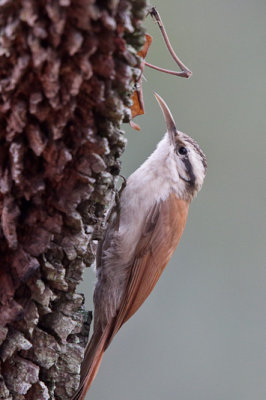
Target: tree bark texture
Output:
[(66, 75)]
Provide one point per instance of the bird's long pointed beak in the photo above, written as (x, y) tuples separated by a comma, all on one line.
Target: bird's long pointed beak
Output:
[(170, 122)]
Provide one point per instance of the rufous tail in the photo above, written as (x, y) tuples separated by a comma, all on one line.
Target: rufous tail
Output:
[(91, 363)]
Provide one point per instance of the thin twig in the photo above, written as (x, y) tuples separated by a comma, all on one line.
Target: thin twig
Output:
[(183, 74), (186, 73)]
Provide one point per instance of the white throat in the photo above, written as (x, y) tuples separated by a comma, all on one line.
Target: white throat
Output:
[(158, 176)]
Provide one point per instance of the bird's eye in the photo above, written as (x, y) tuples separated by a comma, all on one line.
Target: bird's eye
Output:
[(182, 151)]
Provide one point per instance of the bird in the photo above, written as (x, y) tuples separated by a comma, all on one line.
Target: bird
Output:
[(143, 230)]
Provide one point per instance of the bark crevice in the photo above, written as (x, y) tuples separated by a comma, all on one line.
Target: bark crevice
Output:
[(66, 78)]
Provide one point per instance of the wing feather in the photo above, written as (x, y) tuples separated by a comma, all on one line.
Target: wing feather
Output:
[(161, 233)]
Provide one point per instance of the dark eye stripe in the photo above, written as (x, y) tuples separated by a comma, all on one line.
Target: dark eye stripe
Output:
[(189, 170)]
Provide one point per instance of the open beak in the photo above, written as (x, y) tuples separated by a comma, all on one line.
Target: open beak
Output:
[(170, 122)]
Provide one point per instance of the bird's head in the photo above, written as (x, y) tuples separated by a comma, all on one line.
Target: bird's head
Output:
[(189, 159)]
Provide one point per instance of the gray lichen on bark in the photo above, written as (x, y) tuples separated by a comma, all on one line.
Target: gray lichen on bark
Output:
[(66, 77)]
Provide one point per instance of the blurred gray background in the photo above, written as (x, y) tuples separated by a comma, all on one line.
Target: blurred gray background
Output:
[(201, 335)]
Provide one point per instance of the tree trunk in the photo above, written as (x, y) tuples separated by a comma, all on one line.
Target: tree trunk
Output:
[(66, 77)]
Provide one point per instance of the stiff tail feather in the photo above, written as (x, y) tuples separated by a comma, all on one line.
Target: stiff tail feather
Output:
[(91, 363)]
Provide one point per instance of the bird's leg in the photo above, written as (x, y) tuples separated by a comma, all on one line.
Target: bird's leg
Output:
[(116, 207), (124, 184), (185, 72)]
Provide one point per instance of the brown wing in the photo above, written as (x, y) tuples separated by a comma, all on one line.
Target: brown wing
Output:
[(162, 231)]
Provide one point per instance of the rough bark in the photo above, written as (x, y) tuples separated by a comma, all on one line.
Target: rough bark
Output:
[(66, 76)]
